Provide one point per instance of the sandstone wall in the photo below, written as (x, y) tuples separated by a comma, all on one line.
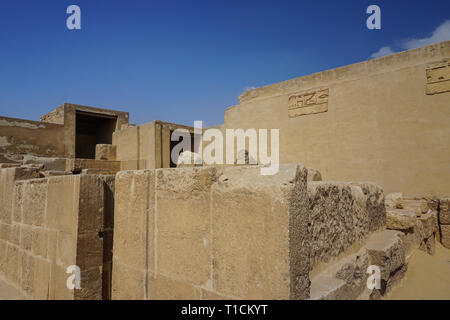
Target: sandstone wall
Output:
[(194, 233), (50, 224), (385, 120)]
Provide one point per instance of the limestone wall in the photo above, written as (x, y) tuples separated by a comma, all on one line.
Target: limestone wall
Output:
[(18, 136), (194, 233), (386, 120), (50, 224)]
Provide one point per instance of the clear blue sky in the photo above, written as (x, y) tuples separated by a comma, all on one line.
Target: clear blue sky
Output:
[(182, 61)]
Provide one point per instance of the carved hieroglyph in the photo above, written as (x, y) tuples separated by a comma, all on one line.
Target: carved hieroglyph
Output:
[(438, 77), (308, 103)]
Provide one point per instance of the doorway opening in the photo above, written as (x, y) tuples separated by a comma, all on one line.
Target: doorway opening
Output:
[(92, 129)]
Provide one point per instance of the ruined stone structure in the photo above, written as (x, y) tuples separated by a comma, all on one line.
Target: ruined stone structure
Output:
[(83, 187)]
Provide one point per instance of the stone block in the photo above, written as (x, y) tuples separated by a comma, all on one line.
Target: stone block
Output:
[(417, 206), (91, 205), (19, 197), (392, 200), (27, 273), (260, 233), (39, 242), (429, 245), (12, 263), (26, 236), (52, 244), (89, 251), (385, 249), (5, 231), (3, 257), (91, 285), (34, 201), (400, 219), (428, 223), (14, 236), (53, 173), (41, 279), (77, 165), (128, 283), (374, 204), (58, 284), (331, 220), (164, 288), (445, 236), (105, 152), (444, 211), (57, 164), (63, 203), (134, 218), (183, 221), (66, 249)]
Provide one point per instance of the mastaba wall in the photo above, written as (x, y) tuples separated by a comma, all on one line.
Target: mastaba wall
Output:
[(18, 136), (191, 233), (384, 120), (47, 225), (204, 233)]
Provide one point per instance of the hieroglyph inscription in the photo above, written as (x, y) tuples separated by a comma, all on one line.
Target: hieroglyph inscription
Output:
[(438, 77), (308, 103)]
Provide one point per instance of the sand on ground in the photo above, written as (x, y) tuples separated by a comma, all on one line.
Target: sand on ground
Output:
[(427, 277)]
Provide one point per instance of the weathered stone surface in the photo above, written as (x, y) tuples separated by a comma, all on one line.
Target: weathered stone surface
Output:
[(400, 219), (9, 165), (77, 165), (428, 222), (97, 171), (392, 200), (8, 158), (105, 152), (444, 211), (385, 249), (48, 164), (260, 225), (53, 173), (133, 233), (331, 220), (314, 175), (374, 204), (326, 287), (57, 222), (445, 236), (429, 245), (183, 221), (417, 206)]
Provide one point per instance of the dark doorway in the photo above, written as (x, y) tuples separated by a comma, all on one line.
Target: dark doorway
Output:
[(92, 129)]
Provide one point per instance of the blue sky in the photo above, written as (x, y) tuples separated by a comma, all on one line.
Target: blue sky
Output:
[(182, 61)]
